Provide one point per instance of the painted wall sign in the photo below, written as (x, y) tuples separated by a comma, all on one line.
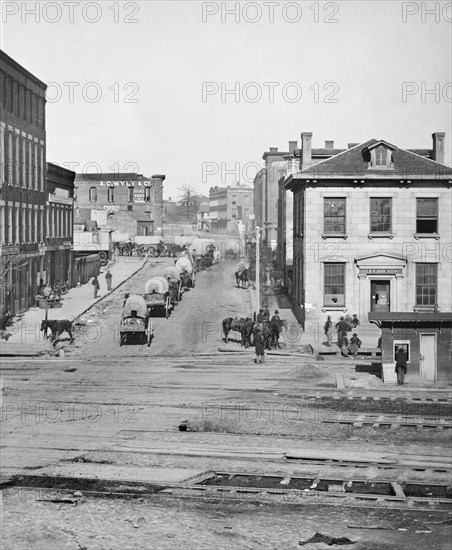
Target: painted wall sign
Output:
[(375, 271), (136, 183), (138, 195)]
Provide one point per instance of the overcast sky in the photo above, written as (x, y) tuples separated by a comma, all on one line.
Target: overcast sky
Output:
[(348, 59)]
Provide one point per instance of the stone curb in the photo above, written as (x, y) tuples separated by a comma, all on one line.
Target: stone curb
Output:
[(111, 291)]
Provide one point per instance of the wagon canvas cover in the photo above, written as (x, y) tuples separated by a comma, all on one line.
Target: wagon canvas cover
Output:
[(137, 303), (156, 284)]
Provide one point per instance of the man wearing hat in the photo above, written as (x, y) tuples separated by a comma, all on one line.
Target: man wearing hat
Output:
[(259, 345), (276, 316)]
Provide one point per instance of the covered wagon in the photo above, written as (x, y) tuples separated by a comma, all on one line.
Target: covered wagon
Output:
[(185, 267), (135, 323), (173, 276), (157, 296)]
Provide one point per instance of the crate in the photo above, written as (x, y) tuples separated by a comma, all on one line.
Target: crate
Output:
[(388, 373)]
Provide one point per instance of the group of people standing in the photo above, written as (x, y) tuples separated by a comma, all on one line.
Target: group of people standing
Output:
[(96, 284), (345, 325)]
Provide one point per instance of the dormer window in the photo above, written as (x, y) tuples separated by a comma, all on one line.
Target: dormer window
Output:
[(380, 158)]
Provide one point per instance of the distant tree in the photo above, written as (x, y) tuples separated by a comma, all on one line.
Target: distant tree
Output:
[(188, 201)]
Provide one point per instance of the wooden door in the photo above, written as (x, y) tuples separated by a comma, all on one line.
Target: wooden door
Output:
[(379, 295), (427, 351)]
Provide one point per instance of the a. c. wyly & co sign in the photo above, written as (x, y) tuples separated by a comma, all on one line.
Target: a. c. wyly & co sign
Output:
[(137, 183)]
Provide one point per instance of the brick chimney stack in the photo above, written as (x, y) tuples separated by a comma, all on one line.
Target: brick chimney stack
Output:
[(438, 146), (329, 144), (273, 150), (292, 146), (306, 149)]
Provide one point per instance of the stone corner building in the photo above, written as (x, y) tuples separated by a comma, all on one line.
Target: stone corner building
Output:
[(372, 232), (23, 193)]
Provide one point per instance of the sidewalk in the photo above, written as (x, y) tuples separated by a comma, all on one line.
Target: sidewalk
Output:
[(79, 299)]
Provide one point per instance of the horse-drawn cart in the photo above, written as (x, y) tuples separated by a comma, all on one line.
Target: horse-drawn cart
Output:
[(157, 296), (136, 323)]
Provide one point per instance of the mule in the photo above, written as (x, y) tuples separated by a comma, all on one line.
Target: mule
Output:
[(57, 328)]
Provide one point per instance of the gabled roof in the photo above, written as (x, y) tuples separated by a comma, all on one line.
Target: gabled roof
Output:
[(353, 163)]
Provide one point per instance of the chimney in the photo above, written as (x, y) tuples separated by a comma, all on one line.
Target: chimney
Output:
[(306, 157), (438, 146), (329, 144), (273, 149), (292, 147), (350, 145)]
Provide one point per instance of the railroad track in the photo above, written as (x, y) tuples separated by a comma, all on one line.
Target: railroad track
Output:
[(358, 420), (215, 486)]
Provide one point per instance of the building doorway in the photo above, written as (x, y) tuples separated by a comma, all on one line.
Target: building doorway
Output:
[(379, 296), (427, 352)]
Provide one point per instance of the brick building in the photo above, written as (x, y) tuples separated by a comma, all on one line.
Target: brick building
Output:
[(372, 232), (267, 191), (228, 205), (139, 197), (23, 194), (59, 234)]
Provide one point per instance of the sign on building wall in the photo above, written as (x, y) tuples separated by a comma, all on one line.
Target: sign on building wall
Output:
[(137, 183), (138, 195)]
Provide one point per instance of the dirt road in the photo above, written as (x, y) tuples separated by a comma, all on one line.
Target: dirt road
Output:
[(194, 326)]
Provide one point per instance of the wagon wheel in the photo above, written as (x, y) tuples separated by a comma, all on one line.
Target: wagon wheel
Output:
[(167, 306), (179, 290), (149, 332)]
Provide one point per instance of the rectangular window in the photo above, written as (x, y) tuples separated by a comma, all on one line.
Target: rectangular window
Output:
[(2, 225), (147, 194), (334, 284), (406, 347), (111, 194), (380, 215), (334, 215), (426, 215), (93, 194), (130, 194), (426, 284)]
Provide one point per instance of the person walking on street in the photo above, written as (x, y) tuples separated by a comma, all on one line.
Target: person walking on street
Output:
[(355, 344), (401, 368), (96, 286), (328, 330), (259, 346), (266, 314), (355, 321), (260, 316), (108, 278)]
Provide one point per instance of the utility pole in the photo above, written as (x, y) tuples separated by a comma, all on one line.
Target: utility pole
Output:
[(258, 238)]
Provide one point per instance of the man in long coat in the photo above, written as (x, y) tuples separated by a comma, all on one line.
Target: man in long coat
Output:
[(259, 346)]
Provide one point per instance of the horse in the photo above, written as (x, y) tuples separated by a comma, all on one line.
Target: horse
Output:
[(238, 325), (267, 332), (278, 276), (241, 277), (275, 328), (57, 327), (6, 320)]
